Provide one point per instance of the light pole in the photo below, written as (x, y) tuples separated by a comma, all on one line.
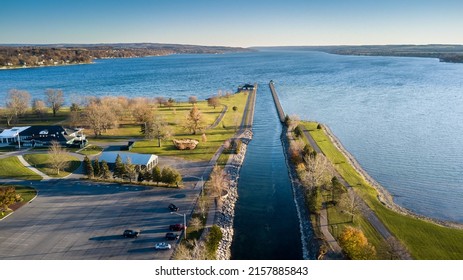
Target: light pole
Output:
[(184, 220)]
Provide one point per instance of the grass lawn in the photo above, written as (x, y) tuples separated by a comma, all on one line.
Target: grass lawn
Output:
[(11, 168), (27, 193), (424, 240), (41, 162), (91, 150), (215, 137)]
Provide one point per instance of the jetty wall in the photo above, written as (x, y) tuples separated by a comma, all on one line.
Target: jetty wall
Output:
[(281, 113)]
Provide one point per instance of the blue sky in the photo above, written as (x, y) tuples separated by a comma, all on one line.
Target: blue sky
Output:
[(234, 22)]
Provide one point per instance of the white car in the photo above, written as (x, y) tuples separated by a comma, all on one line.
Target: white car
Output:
[(162, 246)]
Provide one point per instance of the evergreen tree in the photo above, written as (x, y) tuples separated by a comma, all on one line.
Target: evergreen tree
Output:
[(88, 167), (130, 169), (170, 176), (156, 175), (119, 168), (105, 173), (96, 168), (141, 176)]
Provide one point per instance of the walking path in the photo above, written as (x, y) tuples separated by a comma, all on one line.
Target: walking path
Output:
[(219, 118), (224, 215), (33, 169)]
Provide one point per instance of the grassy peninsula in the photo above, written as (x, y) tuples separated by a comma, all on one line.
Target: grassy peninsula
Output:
[(423, 239)]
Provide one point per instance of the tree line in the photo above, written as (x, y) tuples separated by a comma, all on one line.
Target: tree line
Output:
[(94, 169), (99, 114), (33, 56)]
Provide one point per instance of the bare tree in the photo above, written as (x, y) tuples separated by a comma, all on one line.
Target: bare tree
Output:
[(142, 112), (199, 251), (193, 99), (317, 171), (213, 101), (54, 99), (195, 223), (99, 118), (17, 103), (117, 104), (396, 249), (218, 181), (39, 107), (157, 128), (57, 156), (160, 100), (194, 120), (351, 204), (94, 118), (182, 252)]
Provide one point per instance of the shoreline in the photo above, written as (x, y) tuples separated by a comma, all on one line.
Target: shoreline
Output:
[(311, 243), (43, 66), (226, 212), (383, 196)]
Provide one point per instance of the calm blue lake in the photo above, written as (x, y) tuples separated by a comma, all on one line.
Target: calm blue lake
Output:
[(402, 118)]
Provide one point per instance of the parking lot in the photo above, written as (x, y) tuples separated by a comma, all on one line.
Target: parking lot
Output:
[(72, 219)]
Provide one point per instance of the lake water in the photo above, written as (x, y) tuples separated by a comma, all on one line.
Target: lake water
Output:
[(402, 118)]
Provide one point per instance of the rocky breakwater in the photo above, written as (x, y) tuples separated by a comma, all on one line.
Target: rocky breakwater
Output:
[(227, 211)]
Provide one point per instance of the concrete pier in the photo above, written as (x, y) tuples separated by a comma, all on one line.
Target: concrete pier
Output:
[(281, 113)]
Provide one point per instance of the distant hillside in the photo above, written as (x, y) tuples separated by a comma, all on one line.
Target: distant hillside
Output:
[(62, 54), (445, 53)]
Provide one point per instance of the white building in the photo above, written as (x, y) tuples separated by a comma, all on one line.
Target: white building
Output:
[(144, 161), (11, 135)]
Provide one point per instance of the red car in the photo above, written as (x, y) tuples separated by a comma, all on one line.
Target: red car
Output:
[(176, 227)]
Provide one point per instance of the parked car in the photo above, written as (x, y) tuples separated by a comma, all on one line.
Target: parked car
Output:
[(172, 236), (176, 227), (173, 208), (162, 246), (131, 233)]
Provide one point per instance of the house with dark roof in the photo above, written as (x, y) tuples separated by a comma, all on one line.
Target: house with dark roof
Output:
[(245, 87), (43, 135)]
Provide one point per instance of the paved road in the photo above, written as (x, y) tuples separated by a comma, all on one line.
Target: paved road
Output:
[(72, 219)]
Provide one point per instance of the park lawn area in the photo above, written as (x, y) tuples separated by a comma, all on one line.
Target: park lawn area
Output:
[(47, 119), (91, 150), (27, 193), (42, 163), (425, 240), (12, 168), (215, 137)]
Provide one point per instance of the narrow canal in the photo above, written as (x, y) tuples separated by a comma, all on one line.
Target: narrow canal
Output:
[(266, 220)]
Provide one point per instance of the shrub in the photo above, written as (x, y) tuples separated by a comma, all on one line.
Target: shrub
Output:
[(213, 240), (298, 131), (355, 245), (314, 200)]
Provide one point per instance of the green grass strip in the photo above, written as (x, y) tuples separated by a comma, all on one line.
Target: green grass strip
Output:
[(424, 240), (11, 168)]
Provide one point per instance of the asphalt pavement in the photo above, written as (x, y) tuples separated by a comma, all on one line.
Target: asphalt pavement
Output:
[(75, 219)]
